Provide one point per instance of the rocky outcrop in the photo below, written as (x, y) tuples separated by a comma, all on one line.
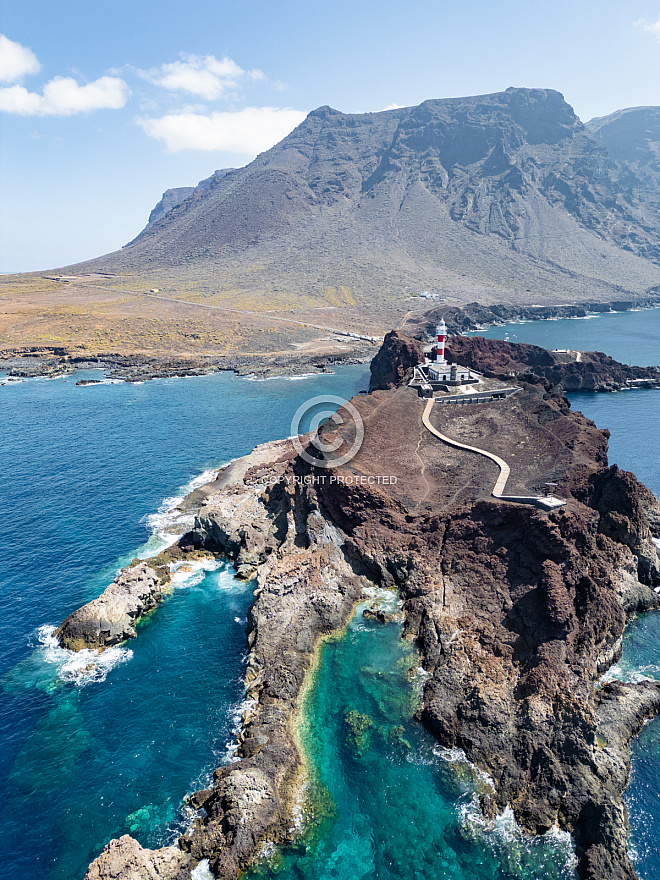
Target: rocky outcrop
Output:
[(170, 199), (125, 859), (393, 365), (571, 370), (111, 618)]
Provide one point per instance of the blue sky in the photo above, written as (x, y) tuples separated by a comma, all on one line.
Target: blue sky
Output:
[(103, 105)]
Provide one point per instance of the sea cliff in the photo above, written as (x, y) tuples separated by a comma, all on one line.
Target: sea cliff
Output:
[(516, 612)]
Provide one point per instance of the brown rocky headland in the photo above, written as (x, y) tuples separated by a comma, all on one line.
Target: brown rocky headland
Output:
[(516, 612)]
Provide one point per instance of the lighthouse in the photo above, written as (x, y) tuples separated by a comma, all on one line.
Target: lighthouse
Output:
[(441, 373), (440, 350)]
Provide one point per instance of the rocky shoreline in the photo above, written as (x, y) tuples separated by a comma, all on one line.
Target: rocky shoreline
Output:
[(517, 613), (476, 316), (51, 362), (305, 590), (591, 371)]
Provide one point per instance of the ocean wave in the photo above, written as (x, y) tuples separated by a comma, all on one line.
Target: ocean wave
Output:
[(517, 851), (514, 849), (190, 573), (50, 666), (235, 715), (253, 378), (622, 672), (202, 871), (169, 522)]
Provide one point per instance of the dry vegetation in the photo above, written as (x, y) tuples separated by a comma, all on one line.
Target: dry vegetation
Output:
[(120, 314)]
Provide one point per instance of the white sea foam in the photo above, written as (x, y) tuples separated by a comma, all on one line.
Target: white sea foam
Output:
[(253, 378), (620, 672), (510, 844), (512, 847), (189, 574), (56, 665), (235, 714), (656, 541), (170, 522), (78, 667), (202, 871)]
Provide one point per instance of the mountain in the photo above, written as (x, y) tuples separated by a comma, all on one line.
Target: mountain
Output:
[(632, 138), (173, 197), (501, 197)]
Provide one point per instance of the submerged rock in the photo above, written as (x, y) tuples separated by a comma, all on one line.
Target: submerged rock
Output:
[(358, 730)]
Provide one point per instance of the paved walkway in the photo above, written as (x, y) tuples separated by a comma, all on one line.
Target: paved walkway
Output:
[(545, 501)]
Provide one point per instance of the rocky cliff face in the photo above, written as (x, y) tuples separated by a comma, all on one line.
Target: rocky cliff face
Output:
[(394, 363), (172, 198), (505, 195), (632, 139), (517, 613)]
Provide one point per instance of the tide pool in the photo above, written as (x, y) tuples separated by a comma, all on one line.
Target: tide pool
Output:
[(388, 802)]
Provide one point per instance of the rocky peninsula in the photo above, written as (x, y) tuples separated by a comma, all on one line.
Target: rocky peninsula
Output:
[(516, 612)]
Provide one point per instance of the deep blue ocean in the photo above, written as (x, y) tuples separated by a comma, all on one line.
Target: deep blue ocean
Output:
[(91, 748)]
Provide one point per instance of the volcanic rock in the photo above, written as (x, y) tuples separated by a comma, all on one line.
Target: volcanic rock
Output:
[(516, 612), (571, 370), (111, 618)]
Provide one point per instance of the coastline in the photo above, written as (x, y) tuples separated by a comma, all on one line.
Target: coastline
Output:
[(55, 361), (32, 361), (305, 545), (474, 316)]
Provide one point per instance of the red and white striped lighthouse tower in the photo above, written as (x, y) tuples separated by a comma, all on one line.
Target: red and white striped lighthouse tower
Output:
[(440, 350)]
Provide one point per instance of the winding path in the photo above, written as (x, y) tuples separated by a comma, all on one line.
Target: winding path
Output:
[(544, 501)]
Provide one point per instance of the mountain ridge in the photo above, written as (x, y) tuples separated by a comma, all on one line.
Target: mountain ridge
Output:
[(508, 194)]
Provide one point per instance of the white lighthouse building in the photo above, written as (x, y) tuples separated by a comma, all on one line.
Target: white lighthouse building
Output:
[(441, 371), (440, 349)]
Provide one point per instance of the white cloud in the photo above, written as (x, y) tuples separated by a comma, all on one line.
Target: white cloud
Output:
[(651, 27), (63, 96), (249, 131), (16, 61), (207, 77), (392, 107)]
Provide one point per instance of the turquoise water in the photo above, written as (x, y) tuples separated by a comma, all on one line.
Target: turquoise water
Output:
[(90, 476), (633, 418), (389, 802)]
